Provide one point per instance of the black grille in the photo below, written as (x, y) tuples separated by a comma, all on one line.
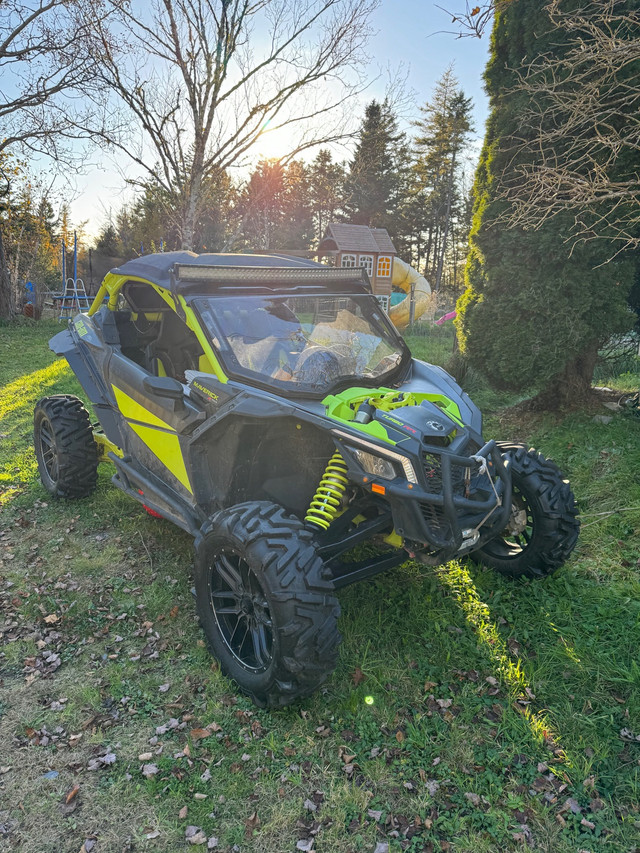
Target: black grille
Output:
[(460, 474), (434, 518), (433, 472), (463, 479)]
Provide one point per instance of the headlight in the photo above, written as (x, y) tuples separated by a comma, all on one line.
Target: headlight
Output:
[(386, 464), (375, 465)]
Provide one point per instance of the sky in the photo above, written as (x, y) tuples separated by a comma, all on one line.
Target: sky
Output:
[(411, 41), (414, 33)]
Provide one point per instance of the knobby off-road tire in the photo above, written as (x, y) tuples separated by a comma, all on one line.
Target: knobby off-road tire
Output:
[(66, 452), (266, 602), (543, 527)]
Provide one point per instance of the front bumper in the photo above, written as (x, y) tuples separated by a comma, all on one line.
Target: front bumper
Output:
[(454, 507)]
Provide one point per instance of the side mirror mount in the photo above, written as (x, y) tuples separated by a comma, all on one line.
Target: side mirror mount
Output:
[(163, 386)]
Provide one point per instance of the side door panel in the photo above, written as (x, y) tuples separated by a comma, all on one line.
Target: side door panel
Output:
[(154, 424)]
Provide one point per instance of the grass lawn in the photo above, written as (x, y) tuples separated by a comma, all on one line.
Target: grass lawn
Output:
[(468, 713)]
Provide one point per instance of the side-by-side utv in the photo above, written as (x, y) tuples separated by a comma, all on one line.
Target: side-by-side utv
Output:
[(266, 405)]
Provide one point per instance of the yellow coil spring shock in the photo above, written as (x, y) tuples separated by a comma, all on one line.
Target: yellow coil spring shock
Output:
[(326, 500)]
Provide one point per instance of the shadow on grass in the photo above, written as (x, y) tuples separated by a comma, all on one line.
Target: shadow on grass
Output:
[(564, 650)]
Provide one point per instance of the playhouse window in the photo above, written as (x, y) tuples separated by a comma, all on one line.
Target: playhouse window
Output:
[(348, 260), (384, 266), (366, 262)]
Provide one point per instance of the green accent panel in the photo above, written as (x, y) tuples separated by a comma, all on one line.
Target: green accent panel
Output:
[(166, 446), (158, 435), (344, 406)]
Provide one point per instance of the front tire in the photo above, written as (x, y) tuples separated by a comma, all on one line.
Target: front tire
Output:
[(65, 450), (543, 527), (266, 602)]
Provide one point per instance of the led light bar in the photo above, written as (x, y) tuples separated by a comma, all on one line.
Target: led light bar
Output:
[(405, 463), (266, 275)]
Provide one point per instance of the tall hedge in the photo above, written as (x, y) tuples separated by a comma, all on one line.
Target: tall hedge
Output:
[(537, 306)]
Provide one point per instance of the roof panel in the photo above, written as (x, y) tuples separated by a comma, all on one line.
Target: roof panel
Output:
[(352, 238), (157, 268), (381, 236), (357, 238)]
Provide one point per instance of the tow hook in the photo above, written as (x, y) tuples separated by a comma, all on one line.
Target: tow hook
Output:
[(470, 536)]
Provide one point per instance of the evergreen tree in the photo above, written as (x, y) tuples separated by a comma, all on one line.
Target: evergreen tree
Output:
[(108, 243), (261, 205), (436, 199), (326, 180), (216, 219), (535, 311), (63, 225), (152, 222), (124, 229), (28, 248), (275, 209), (372, 185)]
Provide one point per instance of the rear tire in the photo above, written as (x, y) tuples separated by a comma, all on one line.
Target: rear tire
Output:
[(266, 602), (543, 526), (66, 452)]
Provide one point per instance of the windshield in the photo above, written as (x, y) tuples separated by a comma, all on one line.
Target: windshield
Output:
[(303, 343)]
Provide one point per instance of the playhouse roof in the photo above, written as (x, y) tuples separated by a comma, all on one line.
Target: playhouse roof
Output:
[(343, 237)]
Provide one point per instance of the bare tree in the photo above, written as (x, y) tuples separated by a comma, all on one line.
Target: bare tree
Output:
[(580, 145), (44, 61), (202, 80), (475, 18), (44, 50)]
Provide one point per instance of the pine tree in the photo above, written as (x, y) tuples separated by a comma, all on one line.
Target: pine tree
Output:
[(535, 310), (274, 208), (63, 225), (442, 133), (108, 243), (326, 180), (372, 183), (28, 251)]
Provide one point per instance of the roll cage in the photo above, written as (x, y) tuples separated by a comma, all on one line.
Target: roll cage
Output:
[(163, 316)]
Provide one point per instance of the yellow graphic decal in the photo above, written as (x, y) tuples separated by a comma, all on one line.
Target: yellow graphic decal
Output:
[(166, 447), (135, 412)]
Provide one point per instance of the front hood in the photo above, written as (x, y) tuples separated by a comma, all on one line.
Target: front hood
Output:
[(395, 417)]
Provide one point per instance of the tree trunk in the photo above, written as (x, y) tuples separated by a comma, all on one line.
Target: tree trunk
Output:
[(433, 253), (427, 251), (447, 221), (194, 201), (7, 295), (573, 385), (189, 222)]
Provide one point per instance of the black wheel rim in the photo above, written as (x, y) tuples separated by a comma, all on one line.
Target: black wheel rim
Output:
[(517, 535), (48, 451), (241, 611)]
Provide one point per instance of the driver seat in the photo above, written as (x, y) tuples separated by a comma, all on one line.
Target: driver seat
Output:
[(175, 350)]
